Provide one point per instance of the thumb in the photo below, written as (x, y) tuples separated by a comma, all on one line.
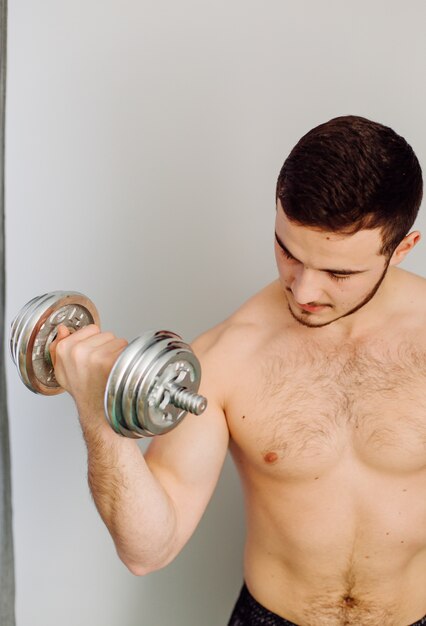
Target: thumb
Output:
[(63, 332)]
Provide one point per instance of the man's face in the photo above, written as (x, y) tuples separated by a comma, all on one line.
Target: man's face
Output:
[(333, 275)]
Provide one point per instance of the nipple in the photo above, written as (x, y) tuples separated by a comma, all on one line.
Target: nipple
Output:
[(270, 457)]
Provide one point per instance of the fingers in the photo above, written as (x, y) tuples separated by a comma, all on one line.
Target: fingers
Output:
[(98, 353), (89, 338), (63, 332), (83, 360), (86, 347)]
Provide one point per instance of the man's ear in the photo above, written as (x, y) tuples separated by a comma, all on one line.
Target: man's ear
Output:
[(406, 245)]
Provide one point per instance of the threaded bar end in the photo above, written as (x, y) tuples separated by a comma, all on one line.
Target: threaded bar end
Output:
[(186, 400)]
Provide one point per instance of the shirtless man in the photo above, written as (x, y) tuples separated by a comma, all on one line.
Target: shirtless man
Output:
[(317, 384)]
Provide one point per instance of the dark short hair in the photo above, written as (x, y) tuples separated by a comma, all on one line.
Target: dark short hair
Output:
[(351, 174)]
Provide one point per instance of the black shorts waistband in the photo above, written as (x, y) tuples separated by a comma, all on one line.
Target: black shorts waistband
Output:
[(249, 612)]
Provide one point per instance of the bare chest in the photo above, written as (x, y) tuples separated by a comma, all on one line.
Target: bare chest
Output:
[(304, 407)]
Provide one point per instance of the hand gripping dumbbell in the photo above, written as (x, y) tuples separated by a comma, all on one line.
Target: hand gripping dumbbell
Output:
[(152, 385)]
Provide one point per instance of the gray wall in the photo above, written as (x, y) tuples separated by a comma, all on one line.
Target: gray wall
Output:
[(143, 144)]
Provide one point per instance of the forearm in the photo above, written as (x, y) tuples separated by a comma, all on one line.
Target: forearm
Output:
[(136, 509)]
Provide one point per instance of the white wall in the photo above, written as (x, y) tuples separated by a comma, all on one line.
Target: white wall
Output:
[(144, 139)]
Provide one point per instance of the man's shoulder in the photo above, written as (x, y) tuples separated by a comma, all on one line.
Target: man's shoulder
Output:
[(247, 327), (409, 309), (413, 286), (406, 275)]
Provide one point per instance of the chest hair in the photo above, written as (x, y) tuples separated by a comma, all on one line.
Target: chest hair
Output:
[(314, 401)]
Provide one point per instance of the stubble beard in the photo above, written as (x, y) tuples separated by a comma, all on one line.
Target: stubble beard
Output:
[(304, 321)]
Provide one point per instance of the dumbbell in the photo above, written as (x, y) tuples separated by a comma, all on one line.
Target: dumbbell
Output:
[(152, 385)]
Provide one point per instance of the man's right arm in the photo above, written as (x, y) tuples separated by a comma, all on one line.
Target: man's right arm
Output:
[(151, 505)]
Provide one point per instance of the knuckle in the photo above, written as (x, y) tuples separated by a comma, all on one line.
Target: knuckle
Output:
[(108, 335), (87, 331), (78, 352), (97, 358)]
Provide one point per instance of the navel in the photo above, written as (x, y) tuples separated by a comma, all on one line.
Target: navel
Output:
[(349, 601), (270, 457)]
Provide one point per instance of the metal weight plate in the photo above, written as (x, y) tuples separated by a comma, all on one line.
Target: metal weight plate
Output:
[(17, 324), (144, 374), (117, 379), (175, 365), (21, 326), (34, 329), (129, 367), (150, 343)]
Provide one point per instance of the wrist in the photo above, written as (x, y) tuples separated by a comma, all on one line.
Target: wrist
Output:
[(95, 422)]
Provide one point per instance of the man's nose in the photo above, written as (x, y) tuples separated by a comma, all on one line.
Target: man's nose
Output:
[(305, 287)]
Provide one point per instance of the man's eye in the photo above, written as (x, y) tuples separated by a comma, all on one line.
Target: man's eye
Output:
[(287, 255), (336, 277), (339, 277)]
